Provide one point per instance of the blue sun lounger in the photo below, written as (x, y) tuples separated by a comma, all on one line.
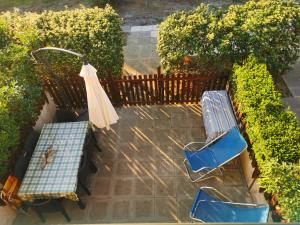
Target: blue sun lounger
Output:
[(207, 208), (214, 155)]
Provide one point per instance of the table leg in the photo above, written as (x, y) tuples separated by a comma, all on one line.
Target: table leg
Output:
[(92, 166), (80, 204), (95, 142), (84, 187)]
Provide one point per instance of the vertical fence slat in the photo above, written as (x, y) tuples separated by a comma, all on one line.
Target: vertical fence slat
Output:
[(75, 90), (137, 91), (128, 92), (167, 91), (151, 84), (199, 90), (131, 88), (188, 88), (123, 92), (172, 89), (156, 89), (142, 89), (146, 89), (178, 82), (183, 88), (161, 88), (68, 96), (74, 94), (49, 86)]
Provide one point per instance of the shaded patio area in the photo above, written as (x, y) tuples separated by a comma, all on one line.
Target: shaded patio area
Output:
[(140, 175)]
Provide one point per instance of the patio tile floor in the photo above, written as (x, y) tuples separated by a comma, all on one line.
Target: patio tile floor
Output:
[(140, 175)]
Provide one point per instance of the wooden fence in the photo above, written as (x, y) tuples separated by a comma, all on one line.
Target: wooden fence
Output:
[(137, 90)]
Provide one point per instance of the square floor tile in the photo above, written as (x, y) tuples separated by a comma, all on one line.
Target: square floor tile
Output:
[(177, 150), (144, 187), (121, 209), (166, 209), (165, 187), (123, 187), (127, 151), (165, 167), (105, 167), (144, 208), (74, 212), (162, 152), (125, 169), (232, 177), (144, 152), (179, 167), (184, 208), (101, 187), (185, 188), (99, 210), (145, 168)]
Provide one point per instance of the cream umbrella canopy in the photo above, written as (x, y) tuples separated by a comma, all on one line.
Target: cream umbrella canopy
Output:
[(101, 112)]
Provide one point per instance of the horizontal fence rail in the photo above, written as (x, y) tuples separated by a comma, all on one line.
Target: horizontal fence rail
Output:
[(136, 90)]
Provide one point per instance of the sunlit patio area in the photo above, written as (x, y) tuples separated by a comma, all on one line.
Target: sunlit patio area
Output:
[(141, 177)]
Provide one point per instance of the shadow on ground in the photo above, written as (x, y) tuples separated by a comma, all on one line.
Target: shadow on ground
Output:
[(140, 175)]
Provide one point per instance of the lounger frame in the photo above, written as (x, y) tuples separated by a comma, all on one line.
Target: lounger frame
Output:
[(203, 177), (229, 201)]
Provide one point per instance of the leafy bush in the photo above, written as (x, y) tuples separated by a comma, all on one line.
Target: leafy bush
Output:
[(283, 180), (274, 132), (20, 90), (9, 135), (276, 129), (3, 34), (94, 32), (269, 29), (189, 34)]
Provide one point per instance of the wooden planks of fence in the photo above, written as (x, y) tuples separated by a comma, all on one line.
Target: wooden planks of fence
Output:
[(137, 90)]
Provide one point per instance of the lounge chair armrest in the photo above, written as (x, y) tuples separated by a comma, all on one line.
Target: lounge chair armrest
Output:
[(186, 147), (232, 203), (217, 192), (248, 204)]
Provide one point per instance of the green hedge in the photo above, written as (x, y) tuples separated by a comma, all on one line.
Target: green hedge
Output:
[(189, 34), (92, 31), (20, 89), (274, 132), (269, 29)]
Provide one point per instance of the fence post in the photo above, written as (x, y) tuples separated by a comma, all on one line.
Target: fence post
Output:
[(160, 85), (114, 90)]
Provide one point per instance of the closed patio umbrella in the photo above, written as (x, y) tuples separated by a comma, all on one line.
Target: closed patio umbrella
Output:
[(101, 112)]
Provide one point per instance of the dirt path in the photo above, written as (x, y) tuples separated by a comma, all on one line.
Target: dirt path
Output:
[(150, 12), (134, 12), (41, 5)]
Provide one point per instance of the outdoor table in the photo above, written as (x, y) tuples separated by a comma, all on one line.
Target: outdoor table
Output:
[(59, 178)]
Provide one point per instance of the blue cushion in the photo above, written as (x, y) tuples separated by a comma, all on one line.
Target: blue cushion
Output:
[(201, 159), (209, 209)]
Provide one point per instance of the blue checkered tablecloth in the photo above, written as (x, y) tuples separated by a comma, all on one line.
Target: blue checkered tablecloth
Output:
[(58, 178)]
